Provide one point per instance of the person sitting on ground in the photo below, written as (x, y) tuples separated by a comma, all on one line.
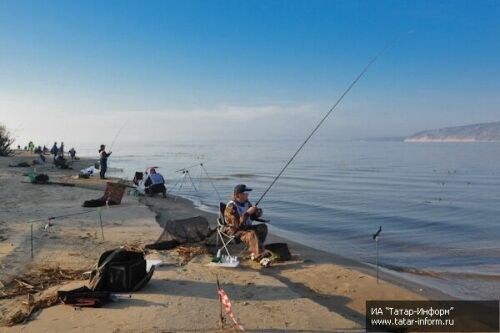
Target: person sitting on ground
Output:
[(40, 160), (155, 183), (45, 150), (239, 215), (62, 163)]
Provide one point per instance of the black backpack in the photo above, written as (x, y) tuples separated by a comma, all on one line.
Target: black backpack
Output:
[(120, 270)]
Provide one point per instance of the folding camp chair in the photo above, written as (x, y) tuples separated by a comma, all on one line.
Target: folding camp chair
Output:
[(225, 238), (226, 260)]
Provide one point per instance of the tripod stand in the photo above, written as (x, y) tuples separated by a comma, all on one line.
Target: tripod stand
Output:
[(185, 178)]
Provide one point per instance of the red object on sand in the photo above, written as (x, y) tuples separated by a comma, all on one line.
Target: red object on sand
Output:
[(227, 306)]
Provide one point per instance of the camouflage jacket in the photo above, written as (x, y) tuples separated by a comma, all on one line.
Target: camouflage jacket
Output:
[(234, 220)]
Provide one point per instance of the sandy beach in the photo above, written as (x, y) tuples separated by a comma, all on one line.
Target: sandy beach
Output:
[(314, 292)]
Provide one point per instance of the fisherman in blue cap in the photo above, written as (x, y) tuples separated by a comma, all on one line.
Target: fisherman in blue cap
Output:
[(239, 215)]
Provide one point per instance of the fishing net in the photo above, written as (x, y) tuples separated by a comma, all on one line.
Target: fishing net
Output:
[(175, 232)]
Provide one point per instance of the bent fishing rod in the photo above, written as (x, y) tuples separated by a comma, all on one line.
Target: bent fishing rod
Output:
[(353, 83)]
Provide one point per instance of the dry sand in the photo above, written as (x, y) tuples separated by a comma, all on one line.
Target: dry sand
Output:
[(315, 292)]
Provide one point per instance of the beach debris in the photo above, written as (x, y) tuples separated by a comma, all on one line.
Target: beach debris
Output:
[(33, 305), (134, 247), (33, 285), (40, 280), (187, 253)]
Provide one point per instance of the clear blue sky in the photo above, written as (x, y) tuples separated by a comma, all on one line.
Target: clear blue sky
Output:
[(86, 67)]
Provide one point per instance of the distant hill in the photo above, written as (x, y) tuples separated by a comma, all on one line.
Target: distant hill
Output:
[(487, 132), (382, 139)]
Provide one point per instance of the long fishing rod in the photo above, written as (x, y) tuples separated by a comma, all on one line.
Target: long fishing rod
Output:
[(353, 83)]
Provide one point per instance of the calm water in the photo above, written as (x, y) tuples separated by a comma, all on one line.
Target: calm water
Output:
[(438, 204)]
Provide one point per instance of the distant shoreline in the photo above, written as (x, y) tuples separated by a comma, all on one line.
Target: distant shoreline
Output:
[(448, 140)]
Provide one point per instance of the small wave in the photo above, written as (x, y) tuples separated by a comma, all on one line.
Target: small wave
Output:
[(444, 275), (243, 175), (414, 271), (217, 178)]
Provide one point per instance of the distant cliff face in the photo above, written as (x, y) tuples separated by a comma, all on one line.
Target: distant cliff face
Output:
[(487, 132)]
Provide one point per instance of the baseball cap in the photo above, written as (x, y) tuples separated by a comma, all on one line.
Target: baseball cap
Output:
[(240, 188)]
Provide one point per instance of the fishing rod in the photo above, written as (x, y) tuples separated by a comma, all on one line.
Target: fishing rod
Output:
[(60, 216), (116, 136), (353, 83), (187, 168), (211, 182)]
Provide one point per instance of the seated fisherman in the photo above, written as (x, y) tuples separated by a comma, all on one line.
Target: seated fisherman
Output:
[(239, 215), (40, 160), (155, 183), (60, 162)]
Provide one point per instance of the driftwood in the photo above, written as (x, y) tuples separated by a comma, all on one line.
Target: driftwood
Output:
[(40, 280), (186, 253), (33, 305), (32, 285)]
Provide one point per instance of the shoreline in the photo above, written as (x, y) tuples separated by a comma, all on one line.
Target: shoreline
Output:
[(324, 256), (290, 296), (398, 278)]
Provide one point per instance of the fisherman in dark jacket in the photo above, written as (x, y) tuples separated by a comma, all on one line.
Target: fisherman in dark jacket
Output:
[(54, 150), (103, 160)]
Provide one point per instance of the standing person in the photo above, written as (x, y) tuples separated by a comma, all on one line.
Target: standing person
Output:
[(31, 146), (72, 153), (103, 160), (54, 150), (61, 149)]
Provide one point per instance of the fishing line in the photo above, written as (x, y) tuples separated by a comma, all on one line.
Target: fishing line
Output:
[(211, 182), (353, 83), (116, 136)]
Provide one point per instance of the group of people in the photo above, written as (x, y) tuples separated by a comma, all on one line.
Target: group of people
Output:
[(58, 154), (37, 150), (239, 213)]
